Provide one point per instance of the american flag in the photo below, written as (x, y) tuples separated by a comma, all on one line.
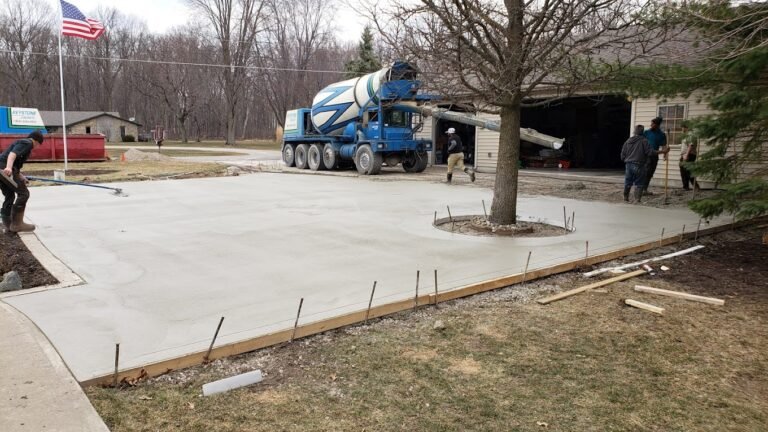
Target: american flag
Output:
[(74, 23)]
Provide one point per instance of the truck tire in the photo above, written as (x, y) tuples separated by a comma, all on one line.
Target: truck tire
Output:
[(302, 153), (415, 162), (289, 153), (315, 157), (330, 159), (367, 161)]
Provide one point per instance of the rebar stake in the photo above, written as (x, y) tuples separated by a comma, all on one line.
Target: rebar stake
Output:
[(661, 238), (416, 298), (117, 360), (435, 288), (565, 221), (370, 302), (485, 212), (449, 214), (215, 335), (573, 221), (296, 324), (586, 254), (682, 233), (525, 272), (696, 237)]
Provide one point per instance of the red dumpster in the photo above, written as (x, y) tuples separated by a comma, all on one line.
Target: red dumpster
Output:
[(80, 148)]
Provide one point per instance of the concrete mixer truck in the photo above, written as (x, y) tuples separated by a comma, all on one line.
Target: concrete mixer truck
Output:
[(370, 121)]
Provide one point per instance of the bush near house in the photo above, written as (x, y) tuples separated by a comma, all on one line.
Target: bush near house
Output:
[(129, 138)]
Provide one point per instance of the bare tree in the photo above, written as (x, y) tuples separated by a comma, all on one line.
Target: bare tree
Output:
[(504, 56), (236, 23), (25, 31)]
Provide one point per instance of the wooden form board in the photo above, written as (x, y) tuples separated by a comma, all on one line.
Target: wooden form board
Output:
[(645, 306), (604, 282), (681, 295), (234, 348)]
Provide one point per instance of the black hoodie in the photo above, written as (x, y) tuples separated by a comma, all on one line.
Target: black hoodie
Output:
[(636, 149)]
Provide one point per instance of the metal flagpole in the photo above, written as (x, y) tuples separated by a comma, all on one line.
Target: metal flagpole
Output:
[(61, 81)]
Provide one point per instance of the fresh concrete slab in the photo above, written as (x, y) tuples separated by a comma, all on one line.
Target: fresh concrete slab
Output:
[(39, 393), (164, 264)]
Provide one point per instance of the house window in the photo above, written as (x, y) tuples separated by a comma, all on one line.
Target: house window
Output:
[(673, 116), (88, 129)]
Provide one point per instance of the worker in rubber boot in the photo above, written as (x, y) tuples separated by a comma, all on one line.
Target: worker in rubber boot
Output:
[(635, 153), (456, 155), (12, 159), (658, 141)]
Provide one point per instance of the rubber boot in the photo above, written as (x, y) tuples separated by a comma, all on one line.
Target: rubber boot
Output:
[(626, 193), (17, 221), (471, 174), (448, 178), (6, 215), (638, 195)]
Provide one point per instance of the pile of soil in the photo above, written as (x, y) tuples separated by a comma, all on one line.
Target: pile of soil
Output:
[(480, 226), (134, 155), (17, 257)]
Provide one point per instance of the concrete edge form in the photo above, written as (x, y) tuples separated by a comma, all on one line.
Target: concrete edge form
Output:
[(303, 330), (41, 392), (66, 277)]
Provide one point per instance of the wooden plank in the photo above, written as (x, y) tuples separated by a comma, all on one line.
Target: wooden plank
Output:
[(194, 359), (645, 306), (678, 294), (565, 294)]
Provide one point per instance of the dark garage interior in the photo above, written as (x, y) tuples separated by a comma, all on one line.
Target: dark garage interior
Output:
[(594, 127)]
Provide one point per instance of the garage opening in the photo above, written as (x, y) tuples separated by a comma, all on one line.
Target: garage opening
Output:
[(465, 132), (594, 128)]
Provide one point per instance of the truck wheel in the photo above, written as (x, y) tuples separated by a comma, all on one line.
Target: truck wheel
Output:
[(367, 161), (329, 157), (415, 162), (289, 151), (315, 157), (301, 153)]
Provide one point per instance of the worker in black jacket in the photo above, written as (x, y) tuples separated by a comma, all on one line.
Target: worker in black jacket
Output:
[(456, 155), (12, 159), (635, 153)]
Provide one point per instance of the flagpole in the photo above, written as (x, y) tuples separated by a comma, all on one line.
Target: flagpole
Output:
[(61, 82)]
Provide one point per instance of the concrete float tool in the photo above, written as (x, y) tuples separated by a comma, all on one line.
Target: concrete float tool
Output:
[(115, 191)]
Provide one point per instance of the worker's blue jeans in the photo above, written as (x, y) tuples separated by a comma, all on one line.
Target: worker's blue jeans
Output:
[(634, 174)]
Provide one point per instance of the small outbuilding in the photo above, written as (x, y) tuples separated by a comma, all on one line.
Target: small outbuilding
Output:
[(110, 124)]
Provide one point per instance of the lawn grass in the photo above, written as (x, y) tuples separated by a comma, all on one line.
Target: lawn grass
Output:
[(501, 362), (115, 153), (116, 171)]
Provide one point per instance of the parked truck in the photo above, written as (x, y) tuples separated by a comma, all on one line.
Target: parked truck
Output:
[(370, 121)]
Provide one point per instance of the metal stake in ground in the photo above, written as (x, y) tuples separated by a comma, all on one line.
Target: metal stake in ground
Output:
[(435, 288), (416, 298), (565, 221), (370, 302), (117, 360), (485, 212), (696, 237), (434, 222), (525, 272), (215, 335), (296, 324), (586, 254), (682, 233), (573, 220), (450, 217), (661, 238)]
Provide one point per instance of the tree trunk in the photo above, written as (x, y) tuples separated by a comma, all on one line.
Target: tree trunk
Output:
[(504, 207), (183, 127)]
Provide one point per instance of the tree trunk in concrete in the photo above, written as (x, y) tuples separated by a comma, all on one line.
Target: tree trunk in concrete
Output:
[(504, 207)]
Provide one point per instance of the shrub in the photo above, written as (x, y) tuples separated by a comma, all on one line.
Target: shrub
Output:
[(129, 138)]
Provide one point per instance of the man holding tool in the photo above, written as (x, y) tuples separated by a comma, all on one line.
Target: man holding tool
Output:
[(14, 184)]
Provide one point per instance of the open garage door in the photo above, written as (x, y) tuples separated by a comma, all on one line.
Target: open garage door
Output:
[(594, 127)]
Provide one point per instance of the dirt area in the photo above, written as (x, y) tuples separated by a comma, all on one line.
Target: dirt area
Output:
[(116, 154), (245, 144), (117, 171), (71, 172), (17, 257), (499, 362)]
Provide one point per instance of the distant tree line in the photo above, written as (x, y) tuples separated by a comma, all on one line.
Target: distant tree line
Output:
[(262, 49)]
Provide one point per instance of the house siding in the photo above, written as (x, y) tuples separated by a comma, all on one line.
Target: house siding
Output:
[(486, 146)]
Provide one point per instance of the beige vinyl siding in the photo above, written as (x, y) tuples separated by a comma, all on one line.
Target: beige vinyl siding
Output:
[(486, 146), (646, 109), (426, 133)]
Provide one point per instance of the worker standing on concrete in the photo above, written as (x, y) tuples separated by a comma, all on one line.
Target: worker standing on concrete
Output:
[(16, 198), (658, 140), (635, 153), (456, 155)]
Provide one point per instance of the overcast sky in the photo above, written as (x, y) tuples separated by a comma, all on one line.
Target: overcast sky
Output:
[(161, 15)]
